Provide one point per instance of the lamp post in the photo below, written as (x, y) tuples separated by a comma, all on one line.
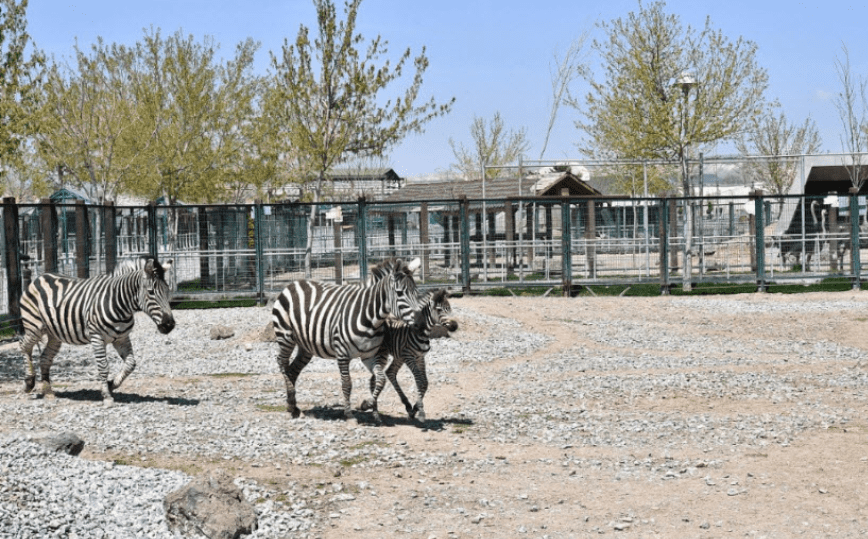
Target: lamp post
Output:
[(686, 82)]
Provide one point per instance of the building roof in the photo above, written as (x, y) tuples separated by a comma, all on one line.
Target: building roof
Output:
[(497, 188)]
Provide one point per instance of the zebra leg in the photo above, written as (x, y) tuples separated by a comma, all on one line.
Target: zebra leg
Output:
[(417, 366), (98, 344), (380, 382), (346, 386), (392, 375), (291, 371), (368, 403), (45, 360), (27, 343), (124, 348)]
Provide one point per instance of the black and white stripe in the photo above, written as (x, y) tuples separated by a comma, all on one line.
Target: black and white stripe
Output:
[(340, 322), (408, 344), (99, 310)]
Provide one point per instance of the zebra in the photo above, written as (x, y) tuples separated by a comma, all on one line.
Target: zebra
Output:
[(409, 343), (98, 310), (340, 322)]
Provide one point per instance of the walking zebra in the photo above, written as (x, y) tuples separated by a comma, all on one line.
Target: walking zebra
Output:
[(339, 322), (409, 343), (99, 310)]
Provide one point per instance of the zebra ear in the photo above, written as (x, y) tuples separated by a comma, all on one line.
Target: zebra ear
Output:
[(414, 264), (149, 267), (167, 265)]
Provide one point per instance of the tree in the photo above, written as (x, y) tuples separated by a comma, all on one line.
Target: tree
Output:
[(332, 90), (852, 105), (668, 91), (567, 69), (493, 146), (777, 142), (641, 107), (19, 85), (91, 122), (197, 112)]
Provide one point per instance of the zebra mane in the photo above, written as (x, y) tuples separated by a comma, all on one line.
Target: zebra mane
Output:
[(392, 265), (149, 265)]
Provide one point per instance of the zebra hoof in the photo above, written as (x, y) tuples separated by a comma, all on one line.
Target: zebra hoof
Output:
[(29, 384), (366, 404), (294, 411)]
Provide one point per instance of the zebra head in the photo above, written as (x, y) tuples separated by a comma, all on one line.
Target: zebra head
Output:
[(402, 295), (154, 294), (434, 311)]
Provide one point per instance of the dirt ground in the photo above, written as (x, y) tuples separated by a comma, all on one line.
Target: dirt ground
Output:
[(489, 485)]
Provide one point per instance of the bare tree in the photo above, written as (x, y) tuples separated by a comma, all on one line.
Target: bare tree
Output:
[(566, 70), (493, 146), (852, 106), (777, 142)]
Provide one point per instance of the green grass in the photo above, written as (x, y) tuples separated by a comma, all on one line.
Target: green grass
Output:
[(217, 304)]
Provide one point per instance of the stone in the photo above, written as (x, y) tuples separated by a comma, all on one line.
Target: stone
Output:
[(267, 334), (211, 505), (219, 332), (66, 442)]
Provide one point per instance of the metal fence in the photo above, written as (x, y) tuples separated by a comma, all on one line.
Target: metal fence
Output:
[(255, 250)]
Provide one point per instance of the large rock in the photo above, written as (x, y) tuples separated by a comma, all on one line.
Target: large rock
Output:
[(219, 332), (66, 442), (210, 505)]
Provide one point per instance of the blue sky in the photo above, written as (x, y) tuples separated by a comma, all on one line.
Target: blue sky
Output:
[(492, 55)]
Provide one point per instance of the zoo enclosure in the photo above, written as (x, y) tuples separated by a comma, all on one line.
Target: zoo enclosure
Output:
[(255, 250)]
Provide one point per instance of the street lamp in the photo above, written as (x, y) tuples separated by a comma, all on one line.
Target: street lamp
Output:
[(686, 82)]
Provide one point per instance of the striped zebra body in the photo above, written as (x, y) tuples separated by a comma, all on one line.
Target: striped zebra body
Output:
[(99, 310), (338, 322), (409, 344)]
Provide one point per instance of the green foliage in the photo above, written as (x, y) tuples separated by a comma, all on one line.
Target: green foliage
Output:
[(20, 78), (636, 109)]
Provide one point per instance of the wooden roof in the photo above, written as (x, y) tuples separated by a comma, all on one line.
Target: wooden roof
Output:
[(498, 188)]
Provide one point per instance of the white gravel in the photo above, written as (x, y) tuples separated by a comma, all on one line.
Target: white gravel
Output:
[(219, 400)]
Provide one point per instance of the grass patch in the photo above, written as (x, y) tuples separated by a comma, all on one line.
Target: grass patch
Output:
[(271, 407), (217, 304)]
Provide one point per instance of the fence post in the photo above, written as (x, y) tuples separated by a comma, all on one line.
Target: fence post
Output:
[(590, 239), (111, 244), (855, 245), (204, 273), (664, 246), (13, 261), (258, 222), (566, 248), (509, 236), (49, 234), (362, 230), (339, 259), (152, 229), (423, 240), (82, 260), (465, 243), (760, 242)]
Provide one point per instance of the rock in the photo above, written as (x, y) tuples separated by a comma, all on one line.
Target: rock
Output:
[(219, 332), (66, 442), (267, 333), (211, 505)]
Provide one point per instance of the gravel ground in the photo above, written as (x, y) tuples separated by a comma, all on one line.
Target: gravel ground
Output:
[(548, 417)]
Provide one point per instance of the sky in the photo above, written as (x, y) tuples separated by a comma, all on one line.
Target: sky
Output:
[(490, 55)]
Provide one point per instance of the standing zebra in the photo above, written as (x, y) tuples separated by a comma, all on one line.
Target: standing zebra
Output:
[(339, 322), (409, 343), (99, 310)]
